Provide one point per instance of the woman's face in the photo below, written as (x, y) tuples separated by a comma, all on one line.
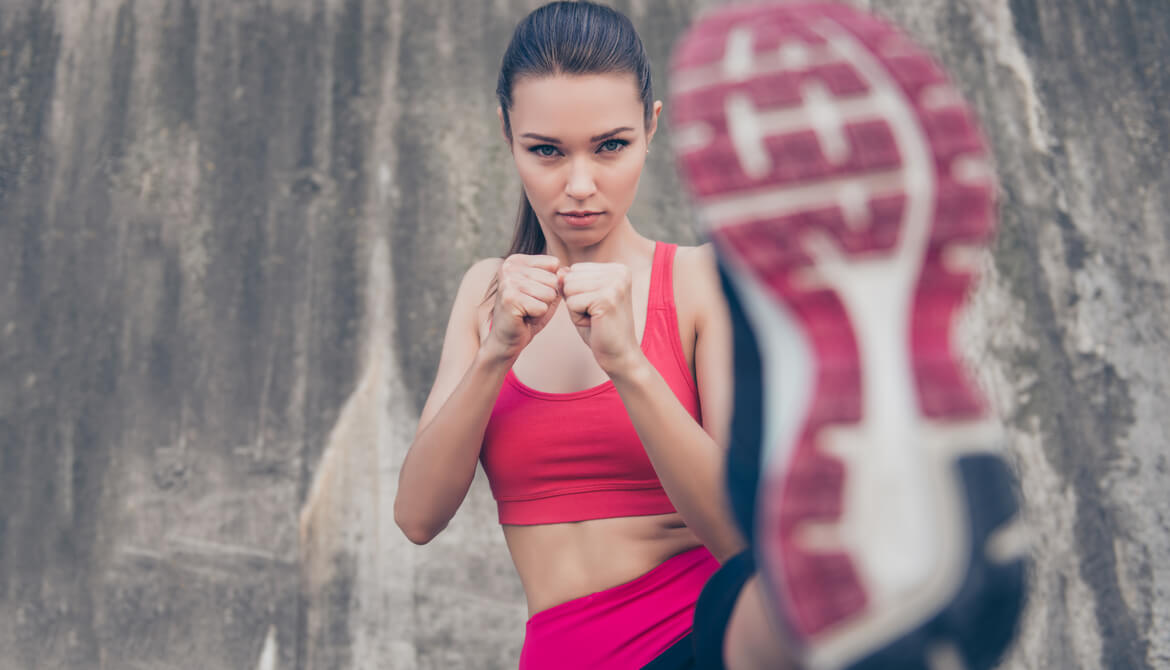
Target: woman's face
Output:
[(579, 142)]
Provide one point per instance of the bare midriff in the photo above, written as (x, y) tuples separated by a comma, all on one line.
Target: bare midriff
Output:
[(560, 562)]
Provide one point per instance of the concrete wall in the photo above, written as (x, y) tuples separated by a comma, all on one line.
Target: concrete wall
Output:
[(230, 231)]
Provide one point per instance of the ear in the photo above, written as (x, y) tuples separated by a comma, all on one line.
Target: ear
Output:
[(653, 126), (504, 127)]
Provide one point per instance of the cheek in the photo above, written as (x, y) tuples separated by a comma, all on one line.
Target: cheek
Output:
[(623, 178), (537, 180)]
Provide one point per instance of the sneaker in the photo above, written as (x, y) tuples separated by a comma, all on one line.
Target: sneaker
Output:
[(848, 191)]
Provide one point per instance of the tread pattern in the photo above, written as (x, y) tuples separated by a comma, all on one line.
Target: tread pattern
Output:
[(792, 124)]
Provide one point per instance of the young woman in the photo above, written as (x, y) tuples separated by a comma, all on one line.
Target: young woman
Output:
[(589, 370)]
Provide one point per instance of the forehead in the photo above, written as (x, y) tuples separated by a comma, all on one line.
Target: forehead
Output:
[(565, 106)]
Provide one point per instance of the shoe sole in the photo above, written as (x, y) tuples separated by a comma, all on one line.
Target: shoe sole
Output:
[(847, 189)]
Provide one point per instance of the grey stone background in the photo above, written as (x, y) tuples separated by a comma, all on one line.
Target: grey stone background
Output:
[(230, 232)]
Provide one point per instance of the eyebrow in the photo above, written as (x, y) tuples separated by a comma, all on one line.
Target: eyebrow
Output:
[(595, 138)]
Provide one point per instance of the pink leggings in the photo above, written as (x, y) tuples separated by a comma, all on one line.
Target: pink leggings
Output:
[(622, 628)]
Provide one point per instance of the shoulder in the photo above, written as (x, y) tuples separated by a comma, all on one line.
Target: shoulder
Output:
[(695, 269), (478, 279), (698, 258), (471, 304), (697, 288), (482, 272)]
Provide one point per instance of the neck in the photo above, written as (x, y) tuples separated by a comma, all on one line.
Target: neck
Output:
[(622, 245)]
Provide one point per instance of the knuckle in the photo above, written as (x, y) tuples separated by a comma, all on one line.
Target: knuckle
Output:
[(516, 262)]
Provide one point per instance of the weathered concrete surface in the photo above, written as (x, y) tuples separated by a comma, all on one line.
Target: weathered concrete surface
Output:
[(230, 231), (1075, 316)]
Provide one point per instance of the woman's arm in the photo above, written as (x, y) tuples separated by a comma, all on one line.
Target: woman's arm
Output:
[(687, 457), (440, 464), (690, 459)]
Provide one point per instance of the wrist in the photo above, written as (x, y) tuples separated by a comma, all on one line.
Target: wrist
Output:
[(632, 369), (494, 358)]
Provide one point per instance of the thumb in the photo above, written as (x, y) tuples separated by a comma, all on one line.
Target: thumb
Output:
[(580, 319), (561, 273)]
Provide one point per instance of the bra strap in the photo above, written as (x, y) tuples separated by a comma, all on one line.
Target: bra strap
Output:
[(662, 277)]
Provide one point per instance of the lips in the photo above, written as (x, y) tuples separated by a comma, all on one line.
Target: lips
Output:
[(580, 217)]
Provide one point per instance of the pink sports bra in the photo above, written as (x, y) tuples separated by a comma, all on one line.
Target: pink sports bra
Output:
[(557, 457)]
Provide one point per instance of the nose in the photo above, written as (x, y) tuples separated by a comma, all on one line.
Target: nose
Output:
[(580, 184)]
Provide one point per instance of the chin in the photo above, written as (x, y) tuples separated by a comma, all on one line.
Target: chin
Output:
[(582, 237)]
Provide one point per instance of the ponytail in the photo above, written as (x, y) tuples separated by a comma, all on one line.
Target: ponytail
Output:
[(528, 239)]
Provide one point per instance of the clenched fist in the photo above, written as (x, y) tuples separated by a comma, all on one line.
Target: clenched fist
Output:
[(597, 296), (527, 296)]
